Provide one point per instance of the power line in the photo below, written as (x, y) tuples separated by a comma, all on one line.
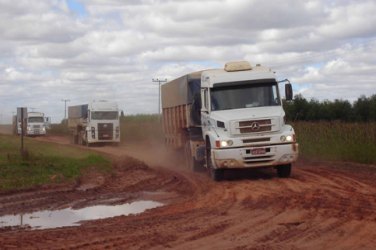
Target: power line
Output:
[(159, 81), (65, 107)]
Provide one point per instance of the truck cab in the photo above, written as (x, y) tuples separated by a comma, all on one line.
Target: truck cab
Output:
[(243, 122), (96, 122), (103, 122), (35, 124)]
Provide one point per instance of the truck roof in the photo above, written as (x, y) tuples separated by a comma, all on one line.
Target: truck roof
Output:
[(210, 77), (30, 114), (103, 105), (182, 90)]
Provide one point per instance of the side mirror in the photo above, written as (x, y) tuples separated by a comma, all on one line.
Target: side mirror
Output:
[(288, 91), (204, 100)]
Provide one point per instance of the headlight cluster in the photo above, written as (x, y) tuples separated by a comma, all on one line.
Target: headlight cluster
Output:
[(224, 143), (287, 138), (93, 132)]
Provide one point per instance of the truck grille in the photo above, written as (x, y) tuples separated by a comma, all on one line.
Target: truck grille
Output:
[(105, 131), (256, 140), (259, 160), (254, 126)]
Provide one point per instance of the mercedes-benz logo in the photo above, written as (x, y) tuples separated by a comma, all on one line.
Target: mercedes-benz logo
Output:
[(255, 126)]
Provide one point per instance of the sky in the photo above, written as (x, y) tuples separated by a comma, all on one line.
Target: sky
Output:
[(83, 50)]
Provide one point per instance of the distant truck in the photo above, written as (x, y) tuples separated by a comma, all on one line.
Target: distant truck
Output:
[(229, 118), (35, 123), (96, 122)]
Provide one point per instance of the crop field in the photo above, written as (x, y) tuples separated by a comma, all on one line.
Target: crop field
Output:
[(333, 141), (337, 141), (141, 128)]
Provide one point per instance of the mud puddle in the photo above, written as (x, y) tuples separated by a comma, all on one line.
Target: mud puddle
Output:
[(73, 217)]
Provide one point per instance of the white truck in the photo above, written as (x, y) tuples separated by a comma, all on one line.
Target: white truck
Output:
[(35, 123), (229, 118), (96, 122)]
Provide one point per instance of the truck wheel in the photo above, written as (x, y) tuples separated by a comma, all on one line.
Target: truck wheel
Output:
[(216, 174), (191, 162), (80, 141), (75, 139), (284, 171)]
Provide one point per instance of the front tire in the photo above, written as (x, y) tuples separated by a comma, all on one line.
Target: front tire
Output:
[(284, 171), (216, 174)]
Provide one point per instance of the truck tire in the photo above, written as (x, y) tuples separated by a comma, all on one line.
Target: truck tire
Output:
[(216, 174), (74, 139), (191, 162), (80, 140), (284, 171)]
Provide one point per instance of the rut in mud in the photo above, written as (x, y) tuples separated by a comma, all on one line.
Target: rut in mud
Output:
[(322, 206)]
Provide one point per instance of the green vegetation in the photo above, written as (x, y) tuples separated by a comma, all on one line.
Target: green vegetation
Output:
[(338, 141), (362, 110), (43, 163), (335, 130), (59, 129), (141, 128)]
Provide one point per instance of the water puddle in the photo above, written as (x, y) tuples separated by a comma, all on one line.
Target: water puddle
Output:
[(72, 217)]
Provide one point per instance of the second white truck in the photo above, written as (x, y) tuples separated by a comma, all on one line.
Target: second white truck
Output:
[(96, 122)]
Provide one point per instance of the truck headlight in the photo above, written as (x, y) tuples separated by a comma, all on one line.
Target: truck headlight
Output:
[(287, 138), (223, 143)]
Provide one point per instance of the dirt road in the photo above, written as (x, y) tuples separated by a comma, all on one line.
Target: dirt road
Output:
[(322, 206)]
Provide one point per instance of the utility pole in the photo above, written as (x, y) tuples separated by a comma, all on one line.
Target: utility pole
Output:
[(65, 107), (159, 81)]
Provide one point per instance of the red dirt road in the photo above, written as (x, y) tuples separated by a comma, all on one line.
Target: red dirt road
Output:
[(322, 206)]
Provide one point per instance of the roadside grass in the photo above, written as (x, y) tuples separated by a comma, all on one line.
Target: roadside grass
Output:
[(337, 141), (141, 128), (43, 163)]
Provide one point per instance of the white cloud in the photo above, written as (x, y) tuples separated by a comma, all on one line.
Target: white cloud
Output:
[(48, 52)]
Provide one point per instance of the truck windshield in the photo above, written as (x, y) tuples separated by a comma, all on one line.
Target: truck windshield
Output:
[(104, 115), (232, 96), (35, 119)]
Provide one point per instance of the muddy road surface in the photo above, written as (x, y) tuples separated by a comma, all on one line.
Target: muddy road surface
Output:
[(322, 206)]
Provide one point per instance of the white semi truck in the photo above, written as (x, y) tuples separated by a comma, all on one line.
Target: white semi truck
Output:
[(96, 122), (229, 118), (35, 123)]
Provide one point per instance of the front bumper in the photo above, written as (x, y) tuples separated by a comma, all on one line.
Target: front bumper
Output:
[(36, 132), (277, 154)]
